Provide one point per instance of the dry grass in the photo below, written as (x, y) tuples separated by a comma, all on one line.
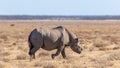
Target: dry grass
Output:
[(21, 57), (1, 65), (103, 63), (3, 53), (114, 56), (4, 37), (101, 40)]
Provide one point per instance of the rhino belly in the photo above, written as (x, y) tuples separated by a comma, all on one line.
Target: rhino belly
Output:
[(49, 47), (50, 44)]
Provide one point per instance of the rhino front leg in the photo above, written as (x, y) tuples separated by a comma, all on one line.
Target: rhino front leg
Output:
[(58, 52), (63, 53)]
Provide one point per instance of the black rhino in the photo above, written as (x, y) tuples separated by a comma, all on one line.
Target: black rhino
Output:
[(55, 38)]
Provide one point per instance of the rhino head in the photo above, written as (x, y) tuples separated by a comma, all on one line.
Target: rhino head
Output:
[(75, 46)]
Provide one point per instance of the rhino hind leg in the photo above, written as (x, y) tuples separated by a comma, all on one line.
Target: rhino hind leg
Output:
[(30, 53), (37, 43), (30, 48), (58, 52), (33, 51)]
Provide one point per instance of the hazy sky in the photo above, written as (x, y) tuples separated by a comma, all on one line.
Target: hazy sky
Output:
[(59, 7)]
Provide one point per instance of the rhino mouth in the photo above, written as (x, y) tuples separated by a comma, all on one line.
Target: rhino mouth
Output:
[(79, 52)]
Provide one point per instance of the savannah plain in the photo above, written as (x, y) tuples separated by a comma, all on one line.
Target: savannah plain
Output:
[(100, 39)]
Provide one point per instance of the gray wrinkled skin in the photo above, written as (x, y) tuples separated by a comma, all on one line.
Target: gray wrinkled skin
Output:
[(55, 38)]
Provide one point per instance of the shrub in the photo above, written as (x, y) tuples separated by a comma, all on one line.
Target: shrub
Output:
[(12, 24)]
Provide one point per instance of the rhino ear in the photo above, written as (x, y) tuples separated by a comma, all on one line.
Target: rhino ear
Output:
[(76, 40)]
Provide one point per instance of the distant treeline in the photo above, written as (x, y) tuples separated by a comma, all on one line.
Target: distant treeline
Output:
[(35, 17)]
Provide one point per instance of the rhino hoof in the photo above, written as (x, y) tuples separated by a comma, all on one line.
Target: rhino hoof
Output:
[(53, 56), (65, 58)]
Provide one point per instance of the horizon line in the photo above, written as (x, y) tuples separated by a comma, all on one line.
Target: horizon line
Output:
[(52, 15)]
